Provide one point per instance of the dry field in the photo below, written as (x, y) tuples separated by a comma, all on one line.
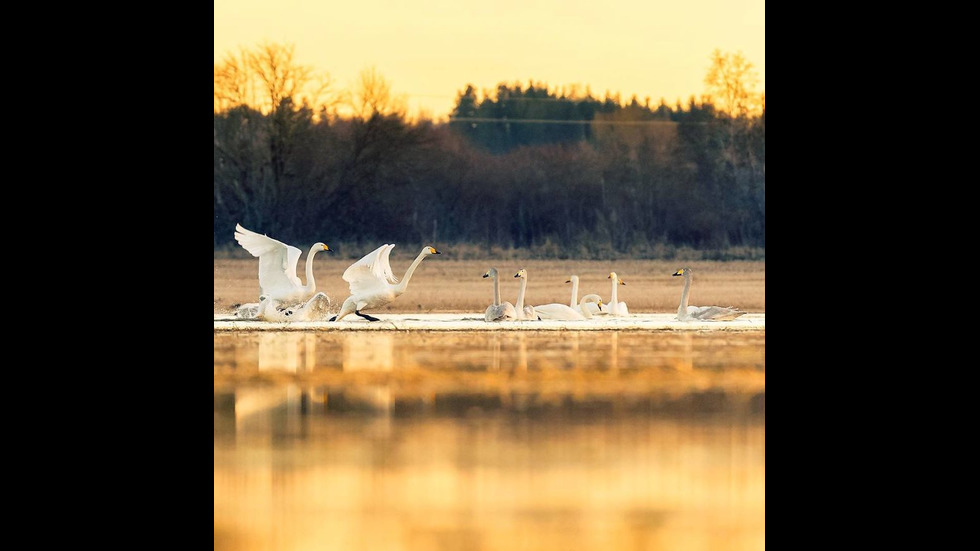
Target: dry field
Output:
[(441, 284)]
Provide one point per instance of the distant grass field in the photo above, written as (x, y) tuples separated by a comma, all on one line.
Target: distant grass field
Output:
[(441, 284)]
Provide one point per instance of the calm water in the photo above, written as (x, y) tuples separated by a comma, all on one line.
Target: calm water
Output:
[(433, 440)]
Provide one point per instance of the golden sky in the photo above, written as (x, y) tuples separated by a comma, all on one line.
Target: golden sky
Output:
[(429, 50)]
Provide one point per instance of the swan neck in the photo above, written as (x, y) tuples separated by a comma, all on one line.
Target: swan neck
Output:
[(310, 283), (400, 288), (520, 297), (496, 290), (574, 292), (682, 310), (614, 296)]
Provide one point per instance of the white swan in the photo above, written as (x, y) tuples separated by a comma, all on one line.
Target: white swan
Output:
[(524, 312), (616, 308), (591, 303), (314, 309), (594, 303), (277, 266), (688, 313), (265, 309), (268, 309), (257, 310), (556, 311), (498, 311), (372, 284)]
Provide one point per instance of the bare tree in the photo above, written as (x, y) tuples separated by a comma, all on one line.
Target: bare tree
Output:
[(266, 105), (372, 96), (731, 84), (233, 82), (266, 77), (278, 74)]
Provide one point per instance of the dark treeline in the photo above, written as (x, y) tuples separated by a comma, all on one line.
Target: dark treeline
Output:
[(513, 104), (634, 179)]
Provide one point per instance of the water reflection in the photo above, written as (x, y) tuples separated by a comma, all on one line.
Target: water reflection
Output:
[(402, 373), (284, 351), (299, 353), (489, 441), (369, 351)]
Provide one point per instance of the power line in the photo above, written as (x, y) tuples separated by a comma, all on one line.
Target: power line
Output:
[(546, 121), (568, 99)]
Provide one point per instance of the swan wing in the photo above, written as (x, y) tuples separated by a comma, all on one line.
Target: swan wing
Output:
[(717, 313), (314, 309), (376, 262), (385, 265), (363, 282), (556, 311), (277, 260), (370, 274), (529, 313), (499, 312)]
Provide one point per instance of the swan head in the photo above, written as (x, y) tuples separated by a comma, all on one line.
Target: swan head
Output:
[(683, 272), (522, 273), (430, 250), (572, 279), (319, 246), (612, 275), (492, 272)]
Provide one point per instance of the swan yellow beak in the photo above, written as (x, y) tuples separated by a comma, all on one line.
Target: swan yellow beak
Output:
[(326, 247), (679, 272), (486, 274), (568, 281), (432, 250)]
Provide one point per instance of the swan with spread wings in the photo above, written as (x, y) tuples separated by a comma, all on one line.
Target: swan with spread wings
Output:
[(277, 267), (372, 283)]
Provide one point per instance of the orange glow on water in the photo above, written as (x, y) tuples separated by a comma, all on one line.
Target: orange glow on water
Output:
[(619, 440)]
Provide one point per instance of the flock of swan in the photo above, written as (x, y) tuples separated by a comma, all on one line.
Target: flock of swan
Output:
[(590, 306), (283, 297)]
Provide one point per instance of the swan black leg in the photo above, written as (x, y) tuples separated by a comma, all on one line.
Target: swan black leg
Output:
[(367, 317)]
